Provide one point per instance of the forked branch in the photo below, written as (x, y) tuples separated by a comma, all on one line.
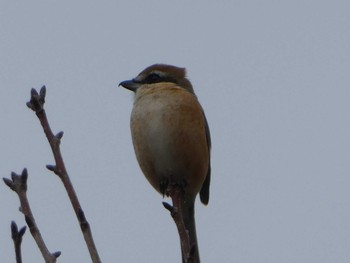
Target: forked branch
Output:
[(17, 240), (18, 183)]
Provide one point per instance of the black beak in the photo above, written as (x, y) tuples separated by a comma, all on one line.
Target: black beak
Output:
[(130, 85)]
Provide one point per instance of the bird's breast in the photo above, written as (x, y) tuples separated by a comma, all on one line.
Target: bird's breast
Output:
[(169, 138)]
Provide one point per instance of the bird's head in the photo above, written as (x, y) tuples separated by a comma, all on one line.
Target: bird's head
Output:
[(159, 73)]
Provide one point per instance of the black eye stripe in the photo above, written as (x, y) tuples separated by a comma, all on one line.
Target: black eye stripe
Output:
[(153, 78), (156, 78)]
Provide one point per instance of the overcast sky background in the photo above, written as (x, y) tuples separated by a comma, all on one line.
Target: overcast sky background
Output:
[(273, 78)]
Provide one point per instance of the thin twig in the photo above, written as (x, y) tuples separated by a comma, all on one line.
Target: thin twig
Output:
[(17, 240), (175, 192), (36, 103), (18, 183)]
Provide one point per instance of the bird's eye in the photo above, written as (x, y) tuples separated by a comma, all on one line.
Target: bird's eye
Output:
[(152, 78)]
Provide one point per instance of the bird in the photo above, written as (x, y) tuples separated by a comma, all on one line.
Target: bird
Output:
[(171, 136)]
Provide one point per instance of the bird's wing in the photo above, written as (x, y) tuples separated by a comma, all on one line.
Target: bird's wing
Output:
[(204, 193)]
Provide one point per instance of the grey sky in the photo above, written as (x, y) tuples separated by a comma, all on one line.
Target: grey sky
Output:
[(273, 78)]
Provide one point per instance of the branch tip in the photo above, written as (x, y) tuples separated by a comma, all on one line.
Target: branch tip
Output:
[(33, 92), (24, 176), (13, 176), (14, 228), (56, 254), (43, 92), (37, 100), (29, 105), (51, 167), (17, 182), (14, 231), (22, 231), (59, 135), (168, 206), (8, 182)]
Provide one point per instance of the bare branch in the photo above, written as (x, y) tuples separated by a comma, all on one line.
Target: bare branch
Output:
[(36, 103), (18, 183), (174, 190), (17, 240)]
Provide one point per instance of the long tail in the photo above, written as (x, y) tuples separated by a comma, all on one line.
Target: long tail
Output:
[(190, 224)]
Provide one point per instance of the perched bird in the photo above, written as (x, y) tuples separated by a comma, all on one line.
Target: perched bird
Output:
[(171, 136)]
